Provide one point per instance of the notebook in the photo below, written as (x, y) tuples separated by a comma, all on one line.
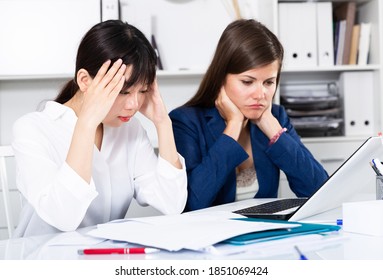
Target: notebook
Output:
[(352, 177)]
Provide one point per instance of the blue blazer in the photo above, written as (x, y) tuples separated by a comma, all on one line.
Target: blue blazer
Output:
[(211, 158)]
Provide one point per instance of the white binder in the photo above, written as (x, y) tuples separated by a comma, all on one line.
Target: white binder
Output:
[(341, 42), (325, 34), (357, 91), (364, 43), (297, 26)]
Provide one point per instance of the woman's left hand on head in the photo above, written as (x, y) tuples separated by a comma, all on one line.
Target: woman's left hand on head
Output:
[(102, 91), (153, 107), (267, 123)]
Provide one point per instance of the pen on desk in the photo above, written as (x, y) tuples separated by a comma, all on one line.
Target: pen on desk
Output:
[(337, 222), (121, 251), (301, 256)]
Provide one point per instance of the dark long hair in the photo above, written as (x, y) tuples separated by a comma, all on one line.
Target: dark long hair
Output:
[(244, 45), (113, 39)]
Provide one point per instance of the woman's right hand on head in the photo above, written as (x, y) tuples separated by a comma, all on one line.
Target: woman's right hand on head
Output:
[(102, 92), (227, 109), (233, 117)]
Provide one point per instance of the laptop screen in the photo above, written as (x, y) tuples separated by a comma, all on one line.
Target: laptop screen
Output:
[(354, 176)]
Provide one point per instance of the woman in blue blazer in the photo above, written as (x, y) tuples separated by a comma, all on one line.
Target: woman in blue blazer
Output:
[(234, 140)]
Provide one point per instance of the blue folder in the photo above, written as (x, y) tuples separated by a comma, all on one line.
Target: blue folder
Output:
[(303, 228)]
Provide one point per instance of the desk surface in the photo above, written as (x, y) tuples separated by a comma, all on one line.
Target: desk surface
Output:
[(350, 247)]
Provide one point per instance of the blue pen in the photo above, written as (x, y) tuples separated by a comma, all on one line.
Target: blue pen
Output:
[(378, 165), (338, 222), (301, 256), (375, 169)]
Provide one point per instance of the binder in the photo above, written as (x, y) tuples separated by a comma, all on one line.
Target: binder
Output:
[(261, 236), (298, 34), (155, 47), (354, 44), (364, 43), (341, 42), (325, 34), (357, 90), (346, 11)]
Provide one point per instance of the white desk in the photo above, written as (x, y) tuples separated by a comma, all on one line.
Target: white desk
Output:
[(352, 247)]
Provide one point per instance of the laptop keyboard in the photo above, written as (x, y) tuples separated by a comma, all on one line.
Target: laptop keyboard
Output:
[(273, 206)]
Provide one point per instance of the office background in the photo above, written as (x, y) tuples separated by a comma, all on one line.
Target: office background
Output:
[(39, 39)]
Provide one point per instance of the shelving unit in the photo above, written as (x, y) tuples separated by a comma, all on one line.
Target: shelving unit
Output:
[(333, 151)]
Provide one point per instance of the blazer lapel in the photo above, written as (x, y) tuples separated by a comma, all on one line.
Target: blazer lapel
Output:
[(215, 122)]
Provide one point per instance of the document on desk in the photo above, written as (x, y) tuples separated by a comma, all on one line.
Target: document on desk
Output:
[(177, 232)]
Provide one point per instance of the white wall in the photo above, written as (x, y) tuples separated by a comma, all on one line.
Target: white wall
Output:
[(20, 97)]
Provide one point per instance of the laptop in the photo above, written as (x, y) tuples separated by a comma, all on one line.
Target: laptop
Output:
[(354, 176)]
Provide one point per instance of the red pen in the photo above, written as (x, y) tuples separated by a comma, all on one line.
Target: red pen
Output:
[(122, 251)]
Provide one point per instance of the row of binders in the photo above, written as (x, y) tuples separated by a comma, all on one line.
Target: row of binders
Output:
[(351, 40), (323, 34)]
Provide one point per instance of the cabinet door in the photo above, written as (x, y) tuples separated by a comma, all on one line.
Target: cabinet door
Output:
[(41, 37)]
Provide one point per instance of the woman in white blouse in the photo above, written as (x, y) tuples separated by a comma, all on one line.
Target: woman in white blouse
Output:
[(84, 157)]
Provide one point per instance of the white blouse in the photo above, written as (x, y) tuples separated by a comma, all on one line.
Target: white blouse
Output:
[(58, 199)]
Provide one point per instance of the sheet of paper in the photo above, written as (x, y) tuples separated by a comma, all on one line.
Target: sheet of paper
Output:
[(175, 219), (176, 232)]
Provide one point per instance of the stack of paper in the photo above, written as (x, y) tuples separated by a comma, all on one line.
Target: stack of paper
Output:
[(177, 232)]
